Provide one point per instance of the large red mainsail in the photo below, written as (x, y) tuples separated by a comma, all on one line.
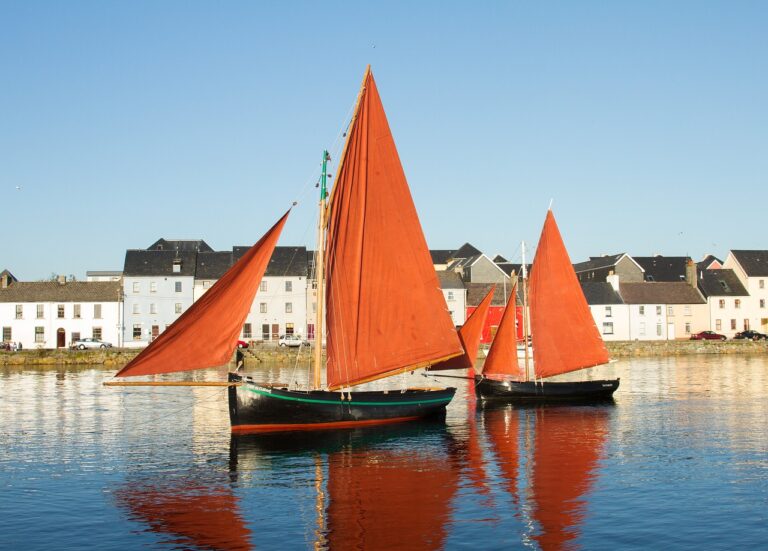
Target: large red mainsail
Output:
[(565, 337), (469, 335), (385, 311), (502, 358), (206, 334)]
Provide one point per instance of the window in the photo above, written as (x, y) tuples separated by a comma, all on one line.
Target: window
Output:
[(761, 284), (206, 284), (289, 329), (737, 303), (177, 266), (687, 327), (288, 286), (641, 310), (721, 303), (608, 314), (40, 313), (670, 310), (177, 308), (687, 310), (39, 335), (75, 336), (718, 325), (153, 286), (733, 325), (7, 334), (76, 311), (262, 307), (177, 286), (136, 309), (450, 295), (97, 333), (265, 332), (137, 331), (746, 325), (263, 286), (762, 303), (658, 310), (19, 311), (658, 330), (153, 308), (60, 311), (136, 287), (642, 328), (288, 307), (314, 308), (247, 334), (97, 311), (607, 328)]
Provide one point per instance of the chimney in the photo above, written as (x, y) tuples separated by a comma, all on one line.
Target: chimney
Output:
[(5, 280), (690, 273), (62, 279)]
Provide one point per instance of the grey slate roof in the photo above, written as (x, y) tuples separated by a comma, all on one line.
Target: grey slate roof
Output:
[(498, 259), (466, 251), (660, 293), (212, 265), (53, 291), (285, 261), (476, 293), (598, 262), (720, 283), (755, 263), (440, 256), (189, 245), (508, 267), (707, 261), (158, 263), (663, 268), (449, 280), (600, 292)]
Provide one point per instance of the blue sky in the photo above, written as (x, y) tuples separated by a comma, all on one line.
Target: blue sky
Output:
[(124, 122)]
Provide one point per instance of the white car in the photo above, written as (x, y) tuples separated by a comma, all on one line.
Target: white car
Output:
[(291, 340), (82, 344)]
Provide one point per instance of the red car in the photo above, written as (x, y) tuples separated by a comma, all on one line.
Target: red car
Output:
[(707, 336)]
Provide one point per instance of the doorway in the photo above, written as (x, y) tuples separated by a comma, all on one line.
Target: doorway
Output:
[(61, 338)]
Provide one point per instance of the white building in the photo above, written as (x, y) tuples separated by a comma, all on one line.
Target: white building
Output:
[(664, 310), (52, 314), (610, 313), (455, 294), (726, 300), (751, 267)]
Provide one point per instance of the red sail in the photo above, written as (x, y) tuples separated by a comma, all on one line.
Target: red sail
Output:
[(469, 335), (206, 334), (199, 516), (565, 337), (385, 311), (567, 448), (502, 358)]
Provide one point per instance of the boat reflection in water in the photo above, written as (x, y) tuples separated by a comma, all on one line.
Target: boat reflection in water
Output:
[(548, 458)]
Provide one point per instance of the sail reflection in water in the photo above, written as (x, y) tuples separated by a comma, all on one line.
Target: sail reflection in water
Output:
[(548, 458)]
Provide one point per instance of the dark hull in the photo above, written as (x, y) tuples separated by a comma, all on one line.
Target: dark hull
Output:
[(547, 391), (255, 407)]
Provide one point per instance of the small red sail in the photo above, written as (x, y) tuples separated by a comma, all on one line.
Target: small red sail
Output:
[(565, 337), (502, 358), (385, 311), (206, 334), (568, 444), (469, 335)]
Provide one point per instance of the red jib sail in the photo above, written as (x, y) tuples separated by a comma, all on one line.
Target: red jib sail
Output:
[(469, 335), (206, 334), (565, 337), (385, 311), (502, 358)]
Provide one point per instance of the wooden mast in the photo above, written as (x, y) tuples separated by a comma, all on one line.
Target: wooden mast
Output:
[(319, 269), (526, 328)]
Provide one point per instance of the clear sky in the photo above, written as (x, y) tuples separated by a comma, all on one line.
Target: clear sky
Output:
[(124, 122)]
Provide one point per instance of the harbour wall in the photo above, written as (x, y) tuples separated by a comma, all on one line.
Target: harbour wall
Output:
[(617, 349)]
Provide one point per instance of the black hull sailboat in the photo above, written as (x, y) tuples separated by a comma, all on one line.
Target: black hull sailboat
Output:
[(262, 407), (545, 391)]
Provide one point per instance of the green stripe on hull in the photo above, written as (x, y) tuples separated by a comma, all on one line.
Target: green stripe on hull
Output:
[(353, 403)]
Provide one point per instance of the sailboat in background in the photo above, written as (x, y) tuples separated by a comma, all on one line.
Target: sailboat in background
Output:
[(563, 334), (377, 326)]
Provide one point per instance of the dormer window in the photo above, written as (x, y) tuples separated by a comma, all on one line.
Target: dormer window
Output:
[(177, 266)]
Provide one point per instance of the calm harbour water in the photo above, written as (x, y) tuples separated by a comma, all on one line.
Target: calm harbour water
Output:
[(680, 461)]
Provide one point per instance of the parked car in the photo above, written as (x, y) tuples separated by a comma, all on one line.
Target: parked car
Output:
[(82, 344), (708, 336), (242, 344), (291, 340), (749, 334)]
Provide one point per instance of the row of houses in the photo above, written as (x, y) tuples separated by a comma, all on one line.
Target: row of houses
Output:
[(645, 298)]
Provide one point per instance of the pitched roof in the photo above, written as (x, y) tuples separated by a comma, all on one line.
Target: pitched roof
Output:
[(159, 263), (600, 292), (663, 268), (721, 283), (189, 245), (755, 263), (466, 251), (498, 259), (660, 293), (440, 256), (212, 265), (709, 261), (598, 262), (449, 280), (285, 261), (476, 293), (53, 291), (509, 267)]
